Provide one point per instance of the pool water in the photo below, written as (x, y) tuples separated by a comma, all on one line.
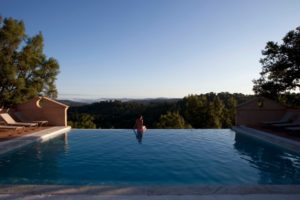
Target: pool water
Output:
[(159, 157)]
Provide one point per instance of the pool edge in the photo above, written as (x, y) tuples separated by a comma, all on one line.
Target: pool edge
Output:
[(267, 137), (39, 136), (148, 190)]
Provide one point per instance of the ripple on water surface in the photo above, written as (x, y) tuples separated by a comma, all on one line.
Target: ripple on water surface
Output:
[(162, 157)]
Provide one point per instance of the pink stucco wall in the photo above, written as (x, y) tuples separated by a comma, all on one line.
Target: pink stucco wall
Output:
[(43, 108), (258, 110)]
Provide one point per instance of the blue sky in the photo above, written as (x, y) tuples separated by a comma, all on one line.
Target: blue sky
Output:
[(155, 48)]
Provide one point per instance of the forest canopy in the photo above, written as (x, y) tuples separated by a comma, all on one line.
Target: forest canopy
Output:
[(209, 110)]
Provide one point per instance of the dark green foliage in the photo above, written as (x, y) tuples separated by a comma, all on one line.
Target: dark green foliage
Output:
[(117, 114), (198, 111), (172, 120), (111, 114), (25, 71), (280, 67), (210, 110), (229, 112), (194, 110), (81, 121), (290, 99)]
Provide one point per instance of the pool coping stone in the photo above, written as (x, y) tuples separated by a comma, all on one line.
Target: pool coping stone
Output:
[(42, 135), (148, 190)]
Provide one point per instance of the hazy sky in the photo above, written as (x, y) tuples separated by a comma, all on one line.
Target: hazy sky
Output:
[(155, 48)]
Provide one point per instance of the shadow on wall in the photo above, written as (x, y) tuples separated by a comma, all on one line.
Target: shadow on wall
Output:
[(43, 108)]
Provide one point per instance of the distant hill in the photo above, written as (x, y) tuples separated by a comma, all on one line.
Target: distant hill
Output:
[(77, 102), (72, 103), (83, 102), (155, 100)]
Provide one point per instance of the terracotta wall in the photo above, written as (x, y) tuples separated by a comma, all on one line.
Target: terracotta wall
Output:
[(258, 110), (42, 108), (295, 111), (255, 117)]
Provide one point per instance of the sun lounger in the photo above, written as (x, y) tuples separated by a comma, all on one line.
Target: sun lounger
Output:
[(15, 128), (11, 122), (295, 122), (293, 129), (286, 118), (23, 119)]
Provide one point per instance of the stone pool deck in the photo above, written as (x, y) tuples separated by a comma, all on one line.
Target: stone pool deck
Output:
[(24, 140), (151, 193)]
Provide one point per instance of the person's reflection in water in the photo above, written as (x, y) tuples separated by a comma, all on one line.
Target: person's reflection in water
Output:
[(139, 136)]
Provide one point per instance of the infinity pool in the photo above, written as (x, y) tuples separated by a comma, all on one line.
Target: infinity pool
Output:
[(160, 157)]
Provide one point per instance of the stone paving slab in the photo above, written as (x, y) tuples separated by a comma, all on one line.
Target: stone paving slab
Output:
[(143, 197), (59, 192), (148, 190)]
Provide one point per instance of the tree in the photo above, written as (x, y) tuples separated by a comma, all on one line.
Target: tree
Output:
[(82, 121), (280, 67), (215, 113), (229, 112), (194, 110), (209, 110), (172, 120), (25, 71)]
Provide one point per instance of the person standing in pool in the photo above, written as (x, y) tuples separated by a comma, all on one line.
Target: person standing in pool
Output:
[(140, 128), (139, 125)]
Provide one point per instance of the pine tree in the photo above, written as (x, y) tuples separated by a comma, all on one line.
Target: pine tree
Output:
[(280, 67), (25, 71)]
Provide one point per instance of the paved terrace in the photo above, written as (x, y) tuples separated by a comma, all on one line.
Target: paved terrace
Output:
[(151, 193)]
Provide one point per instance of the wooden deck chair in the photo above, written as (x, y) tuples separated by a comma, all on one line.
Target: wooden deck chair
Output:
[(11, 122), (294, 129), (286, 118), (295, 122), (23, 119)]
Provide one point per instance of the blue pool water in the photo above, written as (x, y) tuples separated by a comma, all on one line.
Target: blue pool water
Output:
[(160, 157)]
